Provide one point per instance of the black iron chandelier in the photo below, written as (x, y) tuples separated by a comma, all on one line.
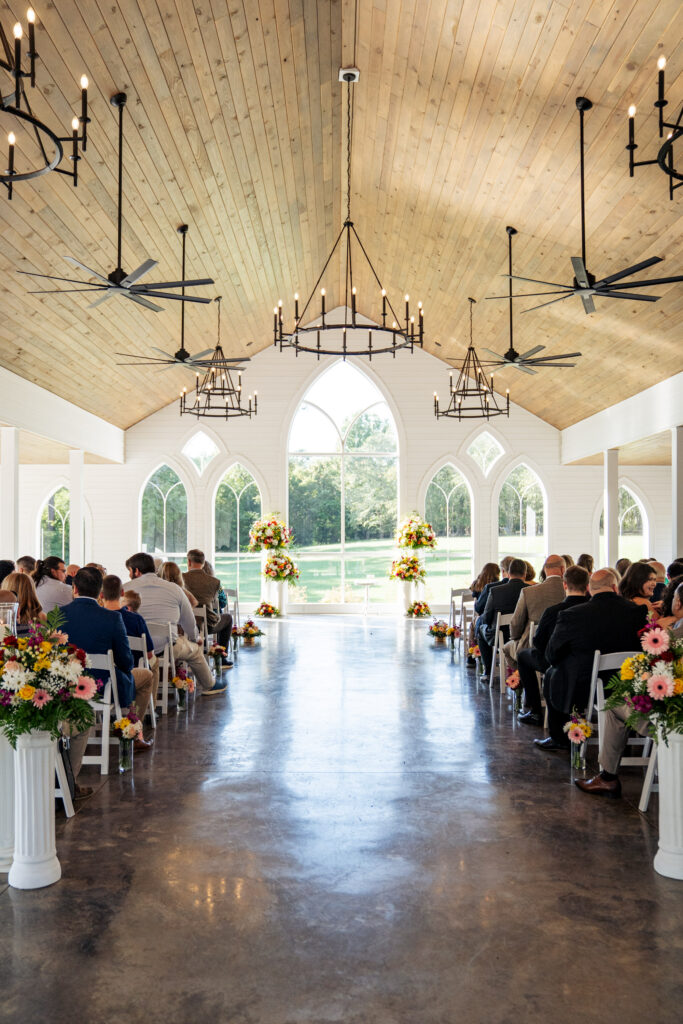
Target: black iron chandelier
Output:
[(665, 157), (349, 337), (16, 103), (472, 397), (216, 394)]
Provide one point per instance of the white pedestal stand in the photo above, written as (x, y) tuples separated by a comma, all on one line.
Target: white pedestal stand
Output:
[(35, 861), (6, 803), (280, 588), (406, 596), (669, 858)]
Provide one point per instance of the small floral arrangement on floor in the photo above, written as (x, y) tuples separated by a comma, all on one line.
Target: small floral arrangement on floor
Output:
[(578, 730), (512, 680), (269, 533), (415, 532), (440, 629), (267, 611), (281, 567), (474, 652), (419, 610), (43, 682), (182, 681), (129, 726), (408, 569), (651, 683), (217, 653), (249, 631)]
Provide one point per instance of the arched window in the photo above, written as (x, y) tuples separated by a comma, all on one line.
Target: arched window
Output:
[(485, 451), (521, 516), (448, 508), (164, 515), (54, 525), (343, 477), (238, 504), (633, 528)]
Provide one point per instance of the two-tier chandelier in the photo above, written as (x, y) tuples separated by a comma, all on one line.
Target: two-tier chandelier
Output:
[(350, 336), (472, 397), (217, 394), (665, 156), (50, 145)]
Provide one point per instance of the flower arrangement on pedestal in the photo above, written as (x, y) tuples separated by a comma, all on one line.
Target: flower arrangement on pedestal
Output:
[(249, 632), (419, 610), (651, 683), (281, 568), (267, 611), (269, 533), (440, 630), (408, 569), (415, 532), (42, 682)]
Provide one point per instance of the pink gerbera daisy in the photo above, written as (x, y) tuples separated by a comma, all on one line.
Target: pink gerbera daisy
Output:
[(41, 698), (85, 688), (660, 686), (655, 641), (575, 734)]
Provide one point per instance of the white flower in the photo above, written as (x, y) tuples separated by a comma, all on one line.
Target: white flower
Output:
[(662, 668), (14, 676)]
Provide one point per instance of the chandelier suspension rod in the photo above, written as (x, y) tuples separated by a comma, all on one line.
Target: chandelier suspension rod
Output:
[(183, 231), (583, 188), (120, 212), (510, 232)]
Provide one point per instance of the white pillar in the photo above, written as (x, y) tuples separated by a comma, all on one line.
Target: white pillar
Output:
[(6, 803), (9, 492), (677, 492), (76, 507), (611, 504), (35, 861)]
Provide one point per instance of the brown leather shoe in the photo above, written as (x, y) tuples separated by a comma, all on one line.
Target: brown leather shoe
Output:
[(141, 744), (600, 786)]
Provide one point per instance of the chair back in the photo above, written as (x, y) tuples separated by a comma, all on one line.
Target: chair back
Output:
[(138, 644), (105, 663), (501, 620), (231, 594), (202, 622), (166, 659), (456, 603)]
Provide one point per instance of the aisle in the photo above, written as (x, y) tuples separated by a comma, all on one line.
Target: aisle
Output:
[(357, 833)]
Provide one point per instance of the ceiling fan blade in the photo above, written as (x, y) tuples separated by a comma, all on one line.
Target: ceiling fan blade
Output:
[(88, 270), (534, 280), (178, 284), (522, 367), (531, 352), (166, 355), (103, 298), (201, 355), (646, 284), (580, 272), (496, 356), (69, 280), (526, 295), (135, 275), (563, 355), (629, 270), (554, 366), (551, 303), (166, 295), (588, 304), (632, 295), (142, 302), (66, 291)]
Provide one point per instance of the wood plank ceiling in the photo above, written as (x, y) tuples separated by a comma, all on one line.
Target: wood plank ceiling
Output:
[(464, 121)]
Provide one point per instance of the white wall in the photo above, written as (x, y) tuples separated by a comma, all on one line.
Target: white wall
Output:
[(112, 492)]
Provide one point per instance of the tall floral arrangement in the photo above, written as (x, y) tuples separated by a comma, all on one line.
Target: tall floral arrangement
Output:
[(281, 567), (43, 682), (651, 683), (415, 532), (269, 533), (409, 569)]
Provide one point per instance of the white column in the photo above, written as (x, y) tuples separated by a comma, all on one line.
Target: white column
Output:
[(611, 504), (676, 492), (35, 861), (9, 492), (6, 803), (76, 507)]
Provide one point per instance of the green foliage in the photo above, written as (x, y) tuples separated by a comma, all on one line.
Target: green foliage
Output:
[(55, 526), (521, 491), (630, 515), (237, 498), (447, 504), (315, 499), (164, 513), (371, 432)]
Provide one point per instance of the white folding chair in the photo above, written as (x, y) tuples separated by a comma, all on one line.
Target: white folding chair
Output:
[(109, 698), (231, 594), (499, 640), (202, 625), (457, 597), (166, 661), (62, 791), (467, 617), (138, 645)]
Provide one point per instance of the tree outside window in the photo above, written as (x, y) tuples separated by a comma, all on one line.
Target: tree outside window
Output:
[(164, 515), (448, 508), (633, 528), (521, 516), (54, 525), (238, 505)]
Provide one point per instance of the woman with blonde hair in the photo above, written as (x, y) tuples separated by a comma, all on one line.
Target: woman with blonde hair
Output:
[(29, 609), (171, 572)]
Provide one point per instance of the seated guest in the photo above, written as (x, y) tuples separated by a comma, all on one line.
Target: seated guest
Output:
[(171, 572), (622, 566), (51, 590), (568, 560), (675, 569), (614, 732), (205, 589), (667, 616), (638, 586), (29, 609), (530, 574), (502, 599), (71, 571), (480, 603), (26, 564), (131, 601), (164, 602), (607, 623), (586, 562), (529, 662), (531, 604), (134, 624), (489, 574), (660, 579), (6, 567)]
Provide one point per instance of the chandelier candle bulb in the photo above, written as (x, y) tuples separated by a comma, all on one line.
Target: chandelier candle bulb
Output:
[(84, 109), (353, 303), (384, 308), (18, 33), (661, 64), (74, 146), (322, 304), (31, 19), (296, 306)]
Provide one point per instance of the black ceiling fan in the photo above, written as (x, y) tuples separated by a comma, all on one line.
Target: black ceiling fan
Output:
[(584, 283), (527, 362), (118, 282)]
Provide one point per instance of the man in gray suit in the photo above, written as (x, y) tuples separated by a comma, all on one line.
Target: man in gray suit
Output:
[(531, 604)]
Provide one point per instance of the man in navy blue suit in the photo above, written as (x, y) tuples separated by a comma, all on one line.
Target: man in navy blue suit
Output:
[(97, 630)]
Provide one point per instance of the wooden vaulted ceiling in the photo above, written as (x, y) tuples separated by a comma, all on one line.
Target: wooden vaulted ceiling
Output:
[(464, 122)]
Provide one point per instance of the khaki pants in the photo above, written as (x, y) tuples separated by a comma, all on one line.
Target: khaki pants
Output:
[(185, 650), (614, 736), (144, 679)]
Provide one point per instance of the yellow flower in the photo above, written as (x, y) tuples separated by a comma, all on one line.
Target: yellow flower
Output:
[(21, 643), (41, 664), (678, 687), (26, 692), (122, 723), (46, 647), (627, 669)]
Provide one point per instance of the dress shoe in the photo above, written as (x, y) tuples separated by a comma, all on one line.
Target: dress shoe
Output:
[(530, 718), (471, 662), (141, 744), (550, 744), (81, 792), (600, 786), (218, 687), (226, 663)]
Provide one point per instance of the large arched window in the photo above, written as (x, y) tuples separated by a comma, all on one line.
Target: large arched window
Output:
[(238, 504), (54, 525), (164, 515), (343, 476), (448, 507), (521, 516), (633, 528)]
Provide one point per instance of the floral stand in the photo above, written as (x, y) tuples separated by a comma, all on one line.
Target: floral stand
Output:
[(669, 857), (35, 861), (406, 595), (6, 803)]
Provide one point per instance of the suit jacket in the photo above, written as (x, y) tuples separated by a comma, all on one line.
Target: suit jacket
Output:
[(501, 599), (205, 589), (607, 623), (531, 604), (480, 603), (97, 630), (548, 621)]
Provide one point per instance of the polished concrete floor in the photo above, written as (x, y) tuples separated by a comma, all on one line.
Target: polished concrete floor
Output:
[(358, 832)]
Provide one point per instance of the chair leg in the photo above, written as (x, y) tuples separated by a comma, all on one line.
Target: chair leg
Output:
[(62, 787), (649, 779), (106, 727)]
